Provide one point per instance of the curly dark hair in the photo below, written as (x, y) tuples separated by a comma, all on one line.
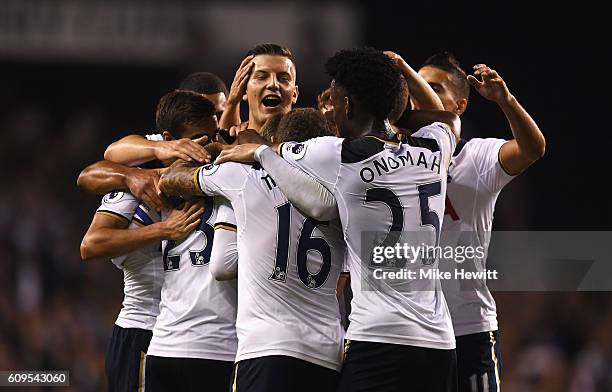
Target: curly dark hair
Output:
[(302, 124), (204, 83), (368, 75), (181, 107), (446, 61)]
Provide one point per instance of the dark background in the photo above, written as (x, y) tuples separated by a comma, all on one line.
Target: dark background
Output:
[(59, 112)]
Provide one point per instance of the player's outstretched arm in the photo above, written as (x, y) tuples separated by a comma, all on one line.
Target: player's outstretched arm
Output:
[(529, 143), (231, 114), (422, 95), (108, 236), (421, 118), (135, 150), (105, 176), (302, 190), (180, 179)]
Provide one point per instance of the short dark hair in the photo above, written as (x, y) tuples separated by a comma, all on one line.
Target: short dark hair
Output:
[(182, 107), (368, 75), (204, 83), (271, 49), (447, 61), (302, 124)]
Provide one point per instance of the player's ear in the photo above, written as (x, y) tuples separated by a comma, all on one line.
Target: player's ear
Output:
[(461, 106), (296, 92), (167, 136)]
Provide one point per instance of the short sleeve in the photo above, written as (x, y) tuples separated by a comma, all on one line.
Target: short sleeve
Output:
[(320, 157), (443, 135), (226, 219), (221, 180), (119, 205), (485, 156)]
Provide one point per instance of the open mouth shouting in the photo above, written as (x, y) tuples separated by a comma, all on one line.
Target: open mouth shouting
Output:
[(271, 101)]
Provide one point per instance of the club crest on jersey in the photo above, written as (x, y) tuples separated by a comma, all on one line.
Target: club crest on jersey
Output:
[(298, 150), (113, 197), (209, 169)]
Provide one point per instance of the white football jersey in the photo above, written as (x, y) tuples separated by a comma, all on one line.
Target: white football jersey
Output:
[(197, 313), (288, 270), (387, 187), (142, 269), (475, 179)]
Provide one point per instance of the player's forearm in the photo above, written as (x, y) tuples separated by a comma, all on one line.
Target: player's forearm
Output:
[(526, 132), (180, 179), (230, 116), (131, 150), (302, 190), (421, 118), (103, 177), (421, 93), (105, 243)]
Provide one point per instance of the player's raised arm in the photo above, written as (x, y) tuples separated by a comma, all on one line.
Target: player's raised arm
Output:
[(422, 95), (105, 176), (108, 235), (231, 114), (134, 150), (528, 144)]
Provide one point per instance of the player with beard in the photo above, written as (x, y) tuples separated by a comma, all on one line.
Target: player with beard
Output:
[(479, 170), (400, 336)]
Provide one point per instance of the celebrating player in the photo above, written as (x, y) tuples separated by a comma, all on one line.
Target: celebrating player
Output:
[(479, 170), (398, 337)]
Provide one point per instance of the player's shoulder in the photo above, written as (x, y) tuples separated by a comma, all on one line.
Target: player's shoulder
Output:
[(233, 167), (298, 150), (118, 197), (479, 146)]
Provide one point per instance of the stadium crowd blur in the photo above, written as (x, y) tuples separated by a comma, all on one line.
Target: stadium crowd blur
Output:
[(57, 312)]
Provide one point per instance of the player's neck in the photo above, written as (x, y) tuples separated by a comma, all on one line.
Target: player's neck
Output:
[(381, 129)]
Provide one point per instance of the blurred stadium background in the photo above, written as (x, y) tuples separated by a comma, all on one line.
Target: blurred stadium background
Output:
[(77, 75)]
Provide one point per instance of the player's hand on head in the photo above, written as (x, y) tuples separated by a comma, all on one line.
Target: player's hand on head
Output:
[(186, 149), (491, 86), (238, 87), (244, 153), (142, 183), (183, 220), (397, 59)]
